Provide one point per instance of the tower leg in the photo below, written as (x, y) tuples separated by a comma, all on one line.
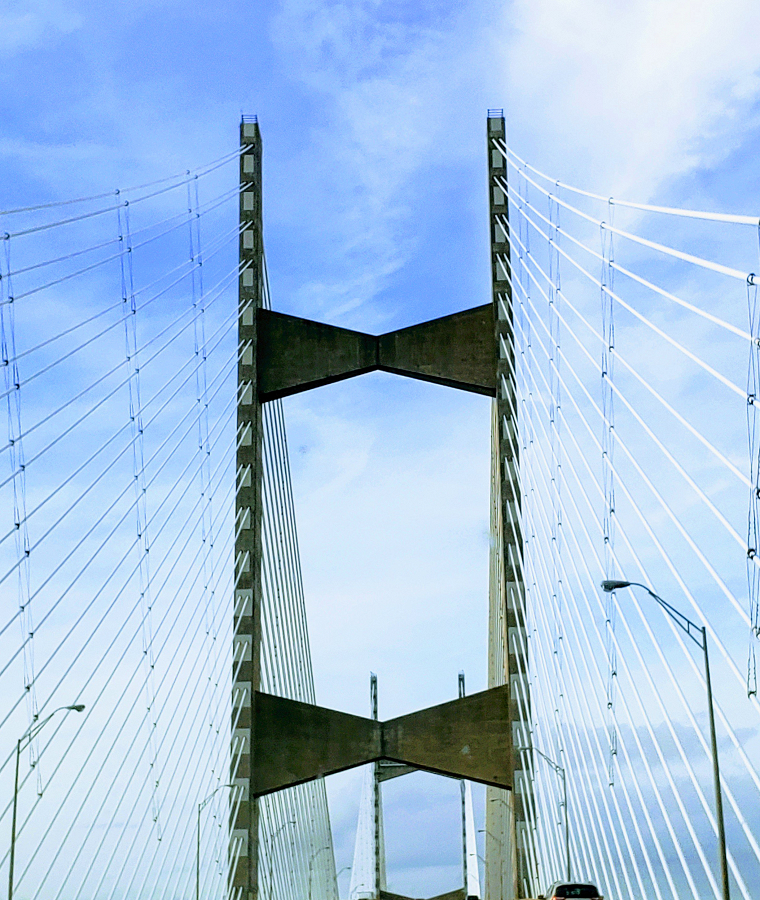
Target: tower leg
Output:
[(507, 663), (244, 820)]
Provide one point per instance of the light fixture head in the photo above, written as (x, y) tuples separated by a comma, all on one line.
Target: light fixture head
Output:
[(609, 586), (77, 707)]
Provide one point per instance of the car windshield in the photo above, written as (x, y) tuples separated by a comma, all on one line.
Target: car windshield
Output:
[(585, 891)]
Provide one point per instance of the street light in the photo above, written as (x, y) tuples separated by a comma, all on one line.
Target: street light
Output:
[(201, 806), (501, 858), (313, 856), (699, 636), (270, 854), (26, 738), (561, 772)]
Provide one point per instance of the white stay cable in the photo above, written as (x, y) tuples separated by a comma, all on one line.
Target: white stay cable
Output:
[(748, 277), (656, 790), (715, 320), (686, 819), (680, 527), (666, 558), (652, 781), (655, 328), (600, 756), (674, 736), (645, 384), (186, 176), (679, 468), (187, 534), (646, 207)]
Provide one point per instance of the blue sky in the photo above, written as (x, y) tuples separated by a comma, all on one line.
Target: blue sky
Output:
[(373, 122)]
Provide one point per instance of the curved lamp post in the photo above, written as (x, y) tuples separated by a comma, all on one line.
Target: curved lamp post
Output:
[(561, 772), (201, 806), (313, 856), (699, 635), (501, 860), (26, 738), (270, 853)]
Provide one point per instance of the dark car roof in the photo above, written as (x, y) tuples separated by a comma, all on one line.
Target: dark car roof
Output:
[(577, 889)]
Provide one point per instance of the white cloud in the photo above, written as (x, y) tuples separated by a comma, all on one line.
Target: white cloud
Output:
[(392, 93), (617, 97), (628, 94), (28, 25)]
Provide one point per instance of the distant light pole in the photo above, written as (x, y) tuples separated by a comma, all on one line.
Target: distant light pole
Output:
[(562, 774), (313, 856), (699, 636), (26, 738), (201, 806), (270, 854), (344, 869), (501, 859)]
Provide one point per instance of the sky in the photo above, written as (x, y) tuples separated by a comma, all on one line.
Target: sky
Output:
[(373, 123)]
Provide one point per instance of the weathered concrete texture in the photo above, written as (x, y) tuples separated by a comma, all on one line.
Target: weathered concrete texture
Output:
[(466, 738), (509, 834), (458, 894), (295, 355), (246, 655), (296, 742), (456, 350), (389, 770)]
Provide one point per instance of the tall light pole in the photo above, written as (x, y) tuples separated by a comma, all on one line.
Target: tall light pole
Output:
[(270, 854), (501, 860), (562, 774), (699, 635), (26, 738), (201, 806), (313, 856)]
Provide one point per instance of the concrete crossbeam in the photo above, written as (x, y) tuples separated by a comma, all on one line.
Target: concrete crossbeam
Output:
[(297, 742), (388, 770), (458, 894), (295, 354)]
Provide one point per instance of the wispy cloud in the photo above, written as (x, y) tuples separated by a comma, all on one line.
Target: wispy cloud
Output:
[(625, 96), (390, 90), (30, 25)]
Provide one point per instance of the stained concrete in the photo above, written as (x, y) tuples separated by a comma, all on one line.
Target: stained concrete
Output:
[(457, 351), (296, 742), (458, 894), (295, 354)]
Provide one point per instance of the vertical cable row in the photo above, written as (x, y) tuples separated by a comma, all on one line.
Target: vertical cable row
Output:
[(204, 447), (12, 384), (555, 448), (753, 515), (129, 315), (608, 449), (510, 825)]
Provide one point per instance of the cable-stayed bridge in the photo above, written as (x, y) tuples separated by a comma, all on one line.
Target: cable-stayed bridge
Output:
[(151, 573)]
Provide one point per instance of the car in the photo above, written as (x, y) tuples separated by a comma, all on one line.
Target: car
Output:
[(562, 889)]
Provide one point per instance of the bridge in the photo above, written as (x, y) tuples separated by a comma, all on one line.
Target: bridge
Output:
[(161, 731)]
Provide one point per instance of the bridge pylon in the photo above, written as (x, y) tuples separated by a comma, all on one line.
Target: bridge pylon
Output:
[(279, 742), (509, 847), (246, 664), (368, 870)]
